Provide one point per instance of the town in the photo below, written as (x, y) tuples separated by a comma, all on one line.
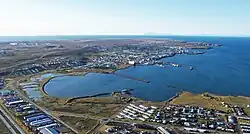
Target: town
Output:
[(104, 54)]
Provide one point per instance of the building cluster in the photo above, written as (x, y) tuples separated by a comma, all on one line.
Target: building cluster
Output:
[(145, 52), (57, 63), (116, 127), (195, 119), (238, 111), (33, 118), (245, 125), (1, 83), (29, 43), (137, 54), (139, 112)]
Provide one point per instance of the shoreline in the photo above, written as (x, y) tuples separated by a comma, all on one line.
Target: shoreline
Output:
[(42, 90)]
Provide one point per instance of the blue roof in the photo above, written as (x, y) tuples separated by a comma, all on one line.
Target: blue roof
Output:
[(36, 118), (5, 91)]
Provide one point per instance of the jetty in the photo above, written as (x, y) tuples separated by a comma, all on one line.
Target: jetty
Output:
[(130, 77), (124, 91)]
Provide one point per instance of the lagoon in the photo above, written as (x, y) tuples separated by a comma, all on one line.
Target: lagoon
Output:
[(224, 70)]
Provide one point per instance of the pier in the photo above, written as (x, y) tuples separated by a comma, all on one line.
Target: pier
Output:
[(130, 77)]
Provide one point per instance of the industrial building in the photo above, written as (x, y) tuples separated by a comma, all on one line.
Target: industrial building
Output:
[(5, 92), (48, 131), (30, 115)]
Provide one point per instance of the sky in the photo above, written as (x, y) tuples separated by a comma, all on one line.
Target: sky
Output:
[(124, 17)]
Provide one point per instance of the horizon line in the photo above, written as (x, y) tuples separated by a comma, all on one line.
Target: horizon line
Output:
[(202, 35)]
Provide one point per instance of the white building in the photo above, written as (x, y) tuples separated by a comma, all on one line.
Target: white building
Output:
[(131, 62)]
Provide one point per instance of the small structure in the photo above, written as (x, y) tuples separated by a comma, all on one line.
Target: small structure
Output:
[(131, 62), (48, 131), (162, 130), (232, 119)]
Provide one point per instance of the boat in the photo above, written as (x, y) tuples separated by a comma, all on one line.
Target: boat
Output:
[(160, 65)]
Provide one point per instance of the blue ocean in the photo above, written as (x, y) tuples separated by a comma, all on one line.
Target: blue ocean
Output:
[(223, 70)]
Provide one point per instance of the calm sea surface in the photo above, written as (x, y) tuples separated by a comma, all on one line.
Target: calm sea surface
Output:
[(224, 70)]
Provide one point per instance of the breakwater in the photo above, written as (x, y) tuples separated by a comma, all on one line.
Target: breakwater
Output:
[(176, 95), (126, 91), (130, 77), (88, 96)]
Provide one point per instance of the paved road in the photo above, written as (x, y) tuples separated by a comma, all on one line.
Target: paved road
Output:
[(13, 123), (46, 112)]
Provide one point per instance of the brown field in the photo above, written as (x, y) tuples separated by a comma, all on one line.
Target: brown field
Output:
[(3, 128), (81, 124), (211, 101), (98, 107)]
